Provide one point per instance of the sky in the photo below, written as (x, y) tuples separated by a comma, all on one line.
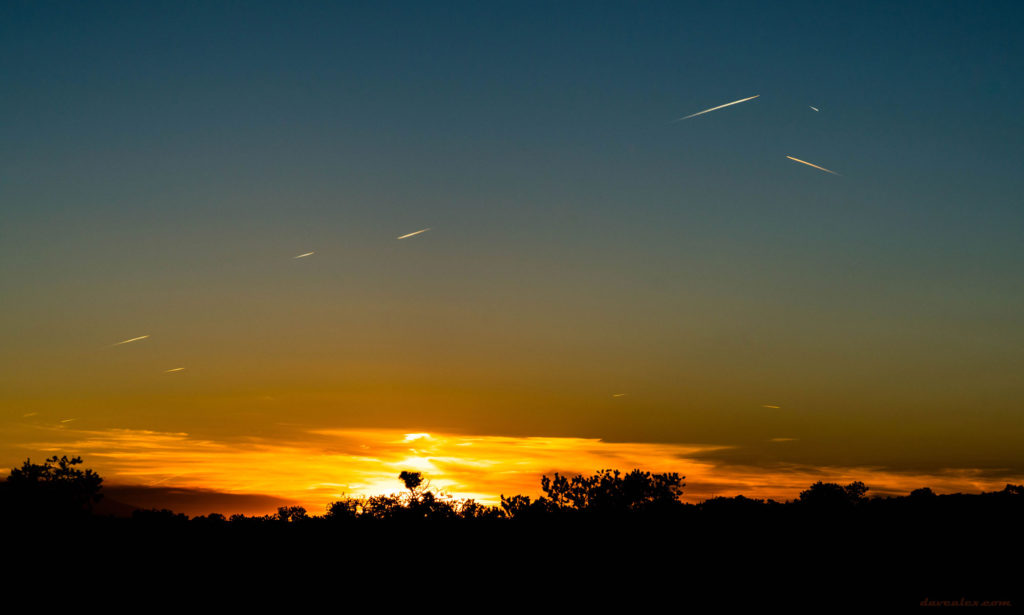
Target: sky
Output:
[(601, 285)]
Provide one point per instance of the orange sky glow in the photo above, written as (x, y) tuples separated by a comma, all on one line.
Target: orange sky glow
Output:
[(323, 464)]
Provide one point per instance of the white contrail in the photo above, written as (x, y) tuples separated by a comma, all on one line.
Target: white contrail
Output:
[(815, 108), (305, 255), (416, 233), (157, 482), (812, 165), (618, 394), (176, 369), (735, 102), (134, 339), (769, 406)]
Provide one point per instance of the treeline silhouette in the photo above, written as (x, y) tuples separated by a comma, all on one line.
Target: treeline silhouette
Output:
[(59, 490), (832, 540)]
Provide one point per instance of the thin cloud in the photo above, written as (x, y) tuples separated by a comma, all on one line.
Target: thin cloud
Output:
[(735, 102)]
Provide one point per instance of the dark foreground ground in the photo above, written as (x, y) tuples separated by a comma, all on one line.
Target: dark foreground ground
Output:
[(820, 561), (608, 542)]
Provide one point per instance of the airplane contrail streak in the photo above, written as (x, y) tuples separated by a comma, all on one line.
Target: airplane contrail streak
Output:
[(735, 102), (157, 482), (812, 165), (134, 339), (176, 369), (305, 255), (815, 108), (416, 233)]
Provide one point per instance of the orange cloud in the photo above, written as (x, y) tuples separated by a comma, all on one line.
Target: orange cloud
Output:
[(324, 464)]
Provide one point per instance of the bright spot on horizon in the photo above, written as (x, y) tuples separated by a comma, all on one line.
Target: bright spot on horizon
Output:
[(134, 339), (414, 233), (735, 102), (411, 437)]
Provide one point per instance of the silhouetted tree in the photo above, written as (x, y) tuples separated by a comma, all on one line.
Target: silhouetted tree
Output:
[(471, 509), (521, 507), (345, 509), (722, 504), (855, 491), (833, 495), (412, 480), (381, 507), (418, 504), (1013, 489), (291, 514), (210, 520), (162, 516), (425, 504), (431, 506), (54, 489), (608, 492), (516, 506)]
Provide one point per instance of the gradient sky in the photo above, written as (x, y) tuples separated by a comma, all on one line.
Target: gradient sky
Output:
[(162, 163)]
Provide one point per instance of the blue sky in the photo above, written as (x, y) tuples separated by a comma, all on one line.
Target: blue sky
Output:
[(160, 164)]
